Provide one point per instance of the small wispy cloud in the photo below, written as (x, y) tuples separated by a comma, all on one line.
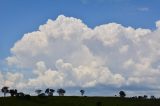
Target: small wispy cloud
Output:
[(143, 9), (102, 1), (84, 1)]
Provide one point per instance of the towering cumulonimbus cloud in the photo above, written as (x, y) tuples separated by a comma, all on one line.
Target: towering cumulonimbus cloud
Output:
[(67, 53)]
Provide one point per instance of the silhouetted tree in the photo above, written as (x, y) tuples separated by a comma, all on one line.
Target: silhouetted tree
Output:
[(20, 94), (41, 95), (49, 92), (61, 92), (23, 96), (134, 97), (152, 97), (122, 94), (145, 96), (82, 92), (140, 97), (38, 91), (5, 90), (13, 92)]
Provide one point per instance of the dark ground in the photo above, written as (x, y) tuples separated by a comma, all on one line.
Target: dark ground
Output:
[(76, 101)]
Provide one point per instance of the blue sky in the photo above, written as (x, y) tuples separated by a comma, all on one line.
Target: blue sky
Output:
[(18, 17), (91, 44)]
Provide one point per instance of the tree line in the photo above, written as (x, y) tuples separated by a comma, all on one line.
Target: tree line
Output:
[(60, 91), (48, 92)]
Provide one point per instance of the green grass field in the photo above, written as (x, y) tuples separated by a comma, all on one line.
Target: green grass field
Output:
[(76, 101)]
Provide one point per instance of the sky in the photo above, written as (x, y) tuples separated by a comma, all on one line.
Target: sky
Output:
[(104, 45)]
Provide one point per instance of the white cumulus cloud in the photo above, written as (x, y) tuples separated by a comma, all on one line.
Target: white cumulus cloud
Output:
[(67, 53)]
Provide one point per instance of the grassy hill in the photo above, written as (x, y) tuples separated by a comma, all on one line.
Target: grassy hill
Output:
[(76, 101)]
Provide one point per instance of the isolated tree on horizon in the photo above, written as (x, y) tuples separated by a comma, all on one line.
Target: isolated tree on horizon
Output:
[(61, 92), (122, 94), (38, 91), (145, 96), (13, 92), (49, 92), (82, 92), (5, 90)]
